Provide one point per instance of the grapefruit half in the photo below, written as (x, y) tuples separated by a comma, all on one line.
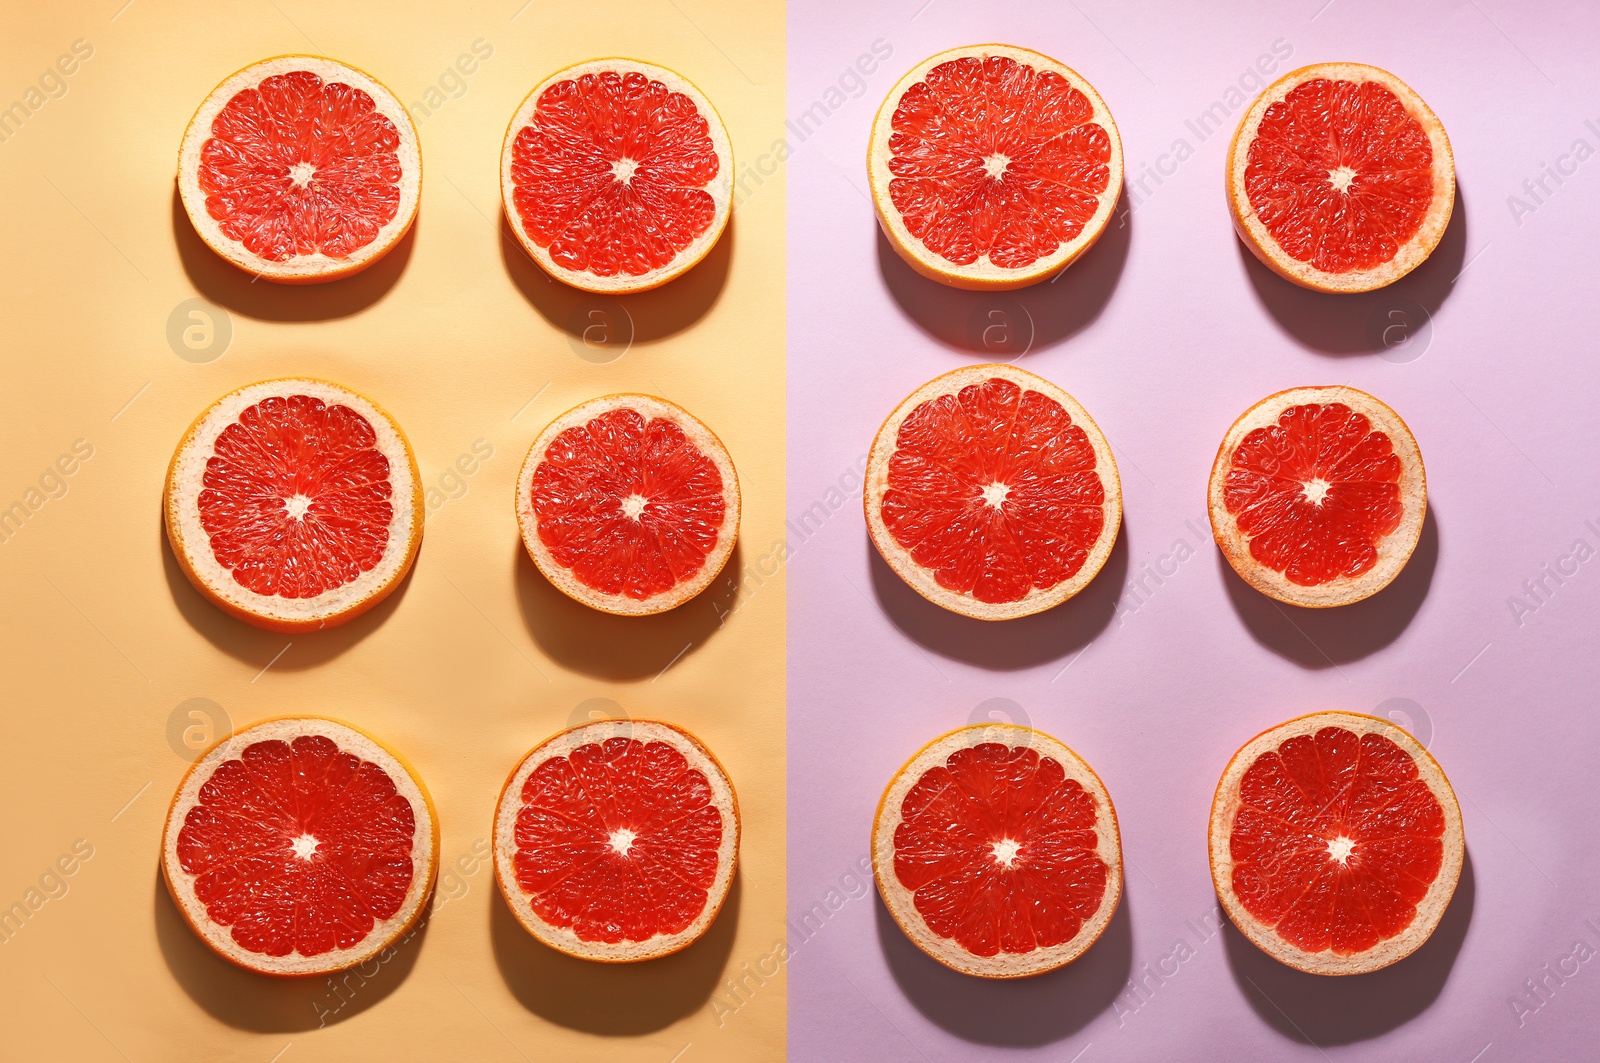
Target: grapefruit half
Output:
[(1318, 495), (993, 167), (1340, 178), (300, 169), (992, 493), (996, 850), (617, 840), (628, 504), (300, 846), (616, 175), (293, 504), (1336, 843)]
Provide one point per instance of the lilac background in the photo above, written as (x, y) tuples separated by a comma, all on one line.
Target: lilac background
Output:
[(1166, 331)]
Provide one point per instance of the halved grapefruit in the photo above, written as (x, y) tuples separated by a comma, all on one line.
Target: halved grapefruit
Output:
[(300, 169), (616, 175), (1335, 842), (993, 167), (617, 840), (293, 504), (628, 504), (996, 850), (300, 846), (993, 493), (1318, 495), (1340, 178)]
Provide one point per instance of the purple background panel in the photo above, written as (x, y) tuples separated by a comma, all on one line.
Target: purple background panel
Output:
[(1166, 331)]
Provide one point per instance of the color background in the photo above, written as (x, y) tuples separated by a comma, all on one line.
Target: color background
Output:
[(475, 658), (1166, 331)]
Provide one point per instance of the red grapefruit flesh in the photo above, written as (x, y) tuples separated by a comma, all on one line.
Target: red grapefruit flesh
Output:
[(993, 493), (628, 504), (300, 846), (996, 850), (617, 840), (293, 504), (617, 176), (993, 167), (1340, 178), (1318, 496), (1336, 843), (300, 169)]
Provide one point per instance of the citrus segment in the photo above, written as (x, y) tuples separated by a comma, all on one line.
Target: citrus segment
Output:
[(996, 850), (1342, 842), (616, 175), (1318, 495), (616, 840), (993, 166), (300, 169), (993, 493), (293, 503), (628, 504), (299, 846)]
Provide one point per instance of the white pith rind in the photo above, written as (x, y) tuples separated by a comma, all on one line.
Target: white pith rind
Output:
[(563, 744), (921, 579), (318, 267), (424, 848), (983, 274), (720, 187), (1394, 549), (1225, 807), (1410, 255), (901, 902), (192, 545), (704, 440)]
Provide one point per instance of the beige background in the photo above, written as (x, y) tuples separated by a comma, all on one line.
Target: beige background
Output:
[(475, 658)]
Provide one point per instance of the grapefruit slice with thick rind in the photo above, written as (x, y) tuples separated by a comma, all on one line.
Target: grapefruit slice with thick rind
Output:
[(1318, 496), (616, 176), (628, 504), (993, 167), (997, 852), (1340, 178), (617, 840), (293, 504), (1336, 843), (993, 493), (300, 170), (300, 846)]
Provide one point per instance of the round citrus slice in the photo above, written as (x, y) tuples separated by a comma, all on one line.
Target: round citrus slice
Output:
[(1336, 843), (616, 175), (992, 493), (617, 840), (993, 167), (300, 846), (293, 504), (1340, 178), (996, 850), (1318, 495), (628, 504), (300, 170)]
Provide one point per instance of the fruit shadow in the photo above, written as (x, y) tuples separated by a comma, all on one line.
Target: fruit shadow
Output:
[(241, 292), (652, 315), (1005, 325), (612, 999), (1012, 1012), (1359, 323), (281, 651), (1322, 1010), (1327, 638), (621, 647), (264, 1004), (1004, 645)]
